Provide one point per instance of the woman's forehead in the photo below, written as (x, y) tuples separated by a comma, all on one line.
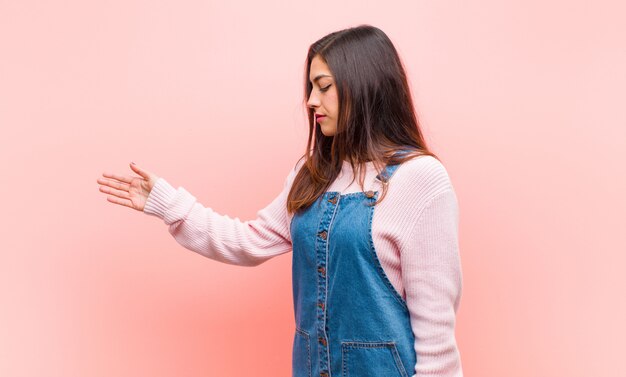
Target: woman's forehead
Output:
[(318, 69)]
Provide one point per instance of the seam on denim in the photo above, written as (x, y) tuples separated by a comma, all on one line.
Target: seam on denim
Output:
[(399, 363), (344, 361), (378, 266), (330, 225), (308, 347)]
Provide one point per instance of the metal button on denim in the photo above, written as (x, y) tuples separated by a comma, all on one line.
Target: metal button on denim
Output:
[(321, 270)]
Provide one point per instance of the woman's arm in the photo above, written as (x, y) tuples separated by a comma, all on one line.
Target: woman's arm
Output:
[(432, 277), (220, 237)]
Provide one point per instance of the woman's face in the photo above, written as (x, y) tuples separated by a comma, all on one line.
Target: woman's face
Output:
[(323, 97)]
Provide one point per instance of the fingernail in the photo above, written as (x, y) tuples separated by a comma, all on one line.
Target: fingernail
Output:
[(132, 163)]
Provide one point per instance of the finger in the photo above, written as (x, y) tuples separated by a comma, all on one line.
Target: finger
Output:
[(123, 202), (121, 178), (119, 193), (115, 184)]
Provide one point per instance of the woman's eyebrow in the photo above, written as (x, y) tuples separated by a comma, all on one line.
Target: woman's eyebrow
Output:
[(320, 76)]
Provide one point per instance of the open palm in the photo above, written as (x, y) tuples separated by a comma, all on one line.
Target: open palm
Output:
[(128, 191)]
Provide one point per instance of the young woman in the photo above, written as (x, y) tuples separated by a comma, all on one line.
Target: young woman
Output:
[(376, 267)]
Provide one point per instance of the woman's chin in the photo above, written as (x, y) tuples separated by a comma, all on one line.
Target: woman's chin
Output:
[(328, 131)]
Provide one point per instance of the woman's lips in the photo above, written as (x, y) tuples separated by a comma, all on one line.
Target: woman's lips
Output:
[(319, 117)]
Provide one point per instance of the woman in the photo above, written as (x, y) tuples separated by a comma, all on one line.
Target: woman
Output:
[(376, 267)]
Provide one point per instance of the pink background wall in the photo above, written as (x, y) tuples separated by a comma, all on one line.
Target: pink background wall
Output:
[(523, 100)]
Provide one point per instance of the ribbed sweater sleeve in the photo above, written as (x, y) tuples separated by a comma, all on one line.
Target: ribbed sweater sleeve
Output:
[(431, 274), (220, 237)]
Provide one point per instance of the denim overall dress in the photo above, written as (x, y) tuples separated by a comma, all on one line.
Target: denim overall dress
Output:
[(350, 320)]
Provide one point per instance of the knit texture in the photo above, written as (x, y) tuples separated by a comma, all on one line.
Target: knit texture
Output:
[(414, 230)]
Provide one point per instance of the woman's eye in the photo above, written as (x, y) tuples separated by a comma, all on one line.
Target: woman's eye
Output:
[(325, 88)]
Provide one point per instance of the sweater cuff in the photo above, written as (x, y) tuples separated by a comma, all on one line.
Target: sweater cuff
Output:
[(159, 198)]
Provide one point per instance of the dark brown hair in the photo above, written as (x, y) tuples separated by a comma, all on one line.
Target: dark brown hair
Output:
[(376, 117)]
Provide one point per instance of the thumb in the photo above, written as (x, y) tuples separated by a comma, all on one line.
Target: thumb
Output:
[(139, 171)]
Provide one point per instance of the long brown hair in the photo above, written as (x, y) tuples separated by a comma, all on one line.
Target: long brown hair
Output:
[(376, 117)]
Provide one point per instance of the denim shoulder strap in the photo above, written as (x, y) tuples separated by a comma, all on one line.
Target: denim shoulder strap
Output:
[(388, 171)]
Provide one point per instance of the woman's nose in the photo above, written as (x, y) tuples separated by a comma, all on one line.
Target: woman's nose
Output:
[(313, 101)]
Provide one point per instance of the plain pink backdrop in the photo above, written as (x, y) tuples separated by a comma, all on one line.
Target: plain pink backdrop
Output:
[(523, 101)]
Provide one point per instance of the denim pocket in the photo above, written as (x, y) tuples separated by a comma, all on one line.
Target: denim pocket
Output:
[(301, 356), (371, 359)]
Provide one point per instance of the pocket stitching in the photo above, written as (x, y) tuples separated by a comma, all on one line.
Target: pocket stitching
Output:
[(346, 346)]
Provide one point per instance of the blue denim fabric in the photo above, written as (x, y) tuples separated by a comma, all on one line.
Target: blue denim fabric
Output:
[(350, 320)]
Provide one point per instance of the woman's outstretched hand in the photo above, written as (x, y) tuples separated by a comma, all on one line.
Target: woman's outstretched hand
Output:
[(126, 190)]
